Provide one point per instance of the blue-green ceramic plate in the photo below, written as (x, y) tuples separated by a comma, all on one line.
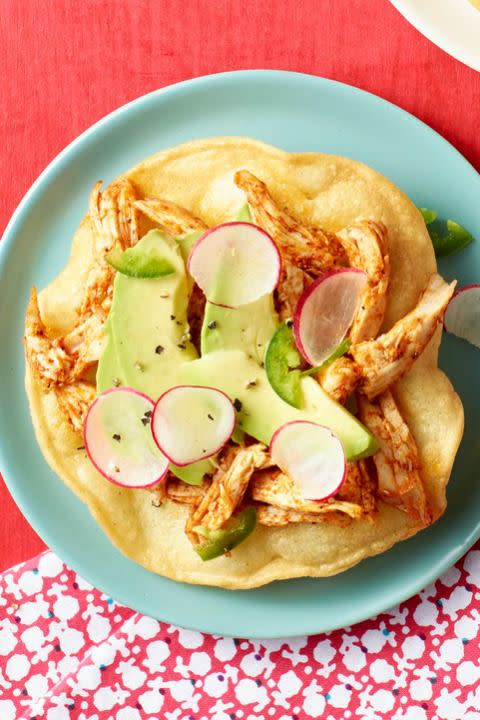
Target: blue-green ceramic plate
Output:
[(295, 112)]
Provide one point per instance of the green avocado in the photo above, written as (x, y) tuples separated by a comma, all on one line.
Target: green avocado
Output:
[(109, 372), (248, 328), (148, 322), (148, 334), (261, 411)]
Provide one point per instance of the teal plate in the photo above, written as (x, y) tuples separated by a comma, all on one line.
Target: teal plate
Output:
[(298, 113)]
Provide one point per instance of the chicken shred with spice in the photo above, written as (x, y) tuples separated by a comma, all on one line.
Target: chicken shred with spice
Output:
[(306, 252), (376, 364), (278, 489), (64, 360), (228, 486), (397, 462), (365, 244), (74, 401)]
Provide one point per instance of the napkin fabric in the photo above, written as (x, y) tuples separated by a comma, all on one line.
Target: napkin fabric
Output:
[(69, 652)]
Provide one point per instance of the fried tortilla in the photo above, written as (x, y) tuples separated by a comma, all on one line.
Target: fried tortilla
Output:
[(320, 191)]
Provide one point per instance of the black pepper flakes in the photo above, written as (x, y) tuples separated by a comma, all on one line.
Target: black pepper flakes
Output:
[(289, 323), (145, 420), (182, 346), (159, 349), (210, 417), (172, 317), (237, 404), (117, 437), (81, 447), (212, 325), (148, 413)]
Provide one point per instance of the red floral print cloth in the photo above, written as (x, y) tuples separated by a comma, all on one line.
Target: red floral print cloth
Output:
[(68, 651)]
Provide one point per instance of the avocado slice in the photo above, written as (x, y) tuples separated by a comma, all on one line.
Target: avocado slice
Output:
[(148, 322), (261, 411), (248, 328), (147, 333), (109, 372)]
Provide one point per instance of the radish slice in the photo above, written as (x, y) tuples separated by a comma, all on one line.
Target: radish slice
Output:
[(325, 312), (191, 423), (313, 457), (118, 439), (235, 264), (462, 316)]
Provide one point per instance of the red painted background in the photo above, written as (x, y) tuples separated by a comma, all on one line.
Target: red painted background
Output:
[(64, 64)]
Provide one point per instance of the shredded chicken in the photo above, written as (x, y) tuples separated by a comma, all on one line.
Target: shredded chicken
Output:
[(340, 378), (291, 286), (306, 251), (377, 364), (114, 221), (181, 492), (228, 487), (176, 220), (113, 216), (368, 488), (397, 461), (46, 356), (365, 244), (309, 248), (74, 401), (59, 361), (278, 489), (272, 516), (384, 360), (350, 490)]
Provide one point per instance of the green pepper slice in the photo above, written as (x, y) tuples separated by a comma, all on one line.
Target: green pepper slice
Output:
[(218, 542), (428, 215), (447, 237), (139, 263), (282, 361), (454, 239)]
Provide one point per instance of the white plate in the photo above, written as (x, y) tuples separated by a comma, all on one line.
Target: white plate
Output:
[(453, 25)]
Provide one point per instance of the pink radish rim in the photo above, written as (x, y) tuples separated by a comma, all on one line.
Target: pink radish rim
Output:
[(182, 387), (471, 286), (304, 297), (126, 389), (230, 224), (324, 427)]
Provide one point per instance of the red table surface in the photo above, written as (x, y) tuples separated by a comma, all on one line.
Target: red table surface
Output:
[(64, 64)]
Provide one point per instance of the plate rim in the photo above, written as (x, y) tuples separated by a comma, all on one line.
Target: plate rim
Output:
[(49, 173), (436, 35)]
